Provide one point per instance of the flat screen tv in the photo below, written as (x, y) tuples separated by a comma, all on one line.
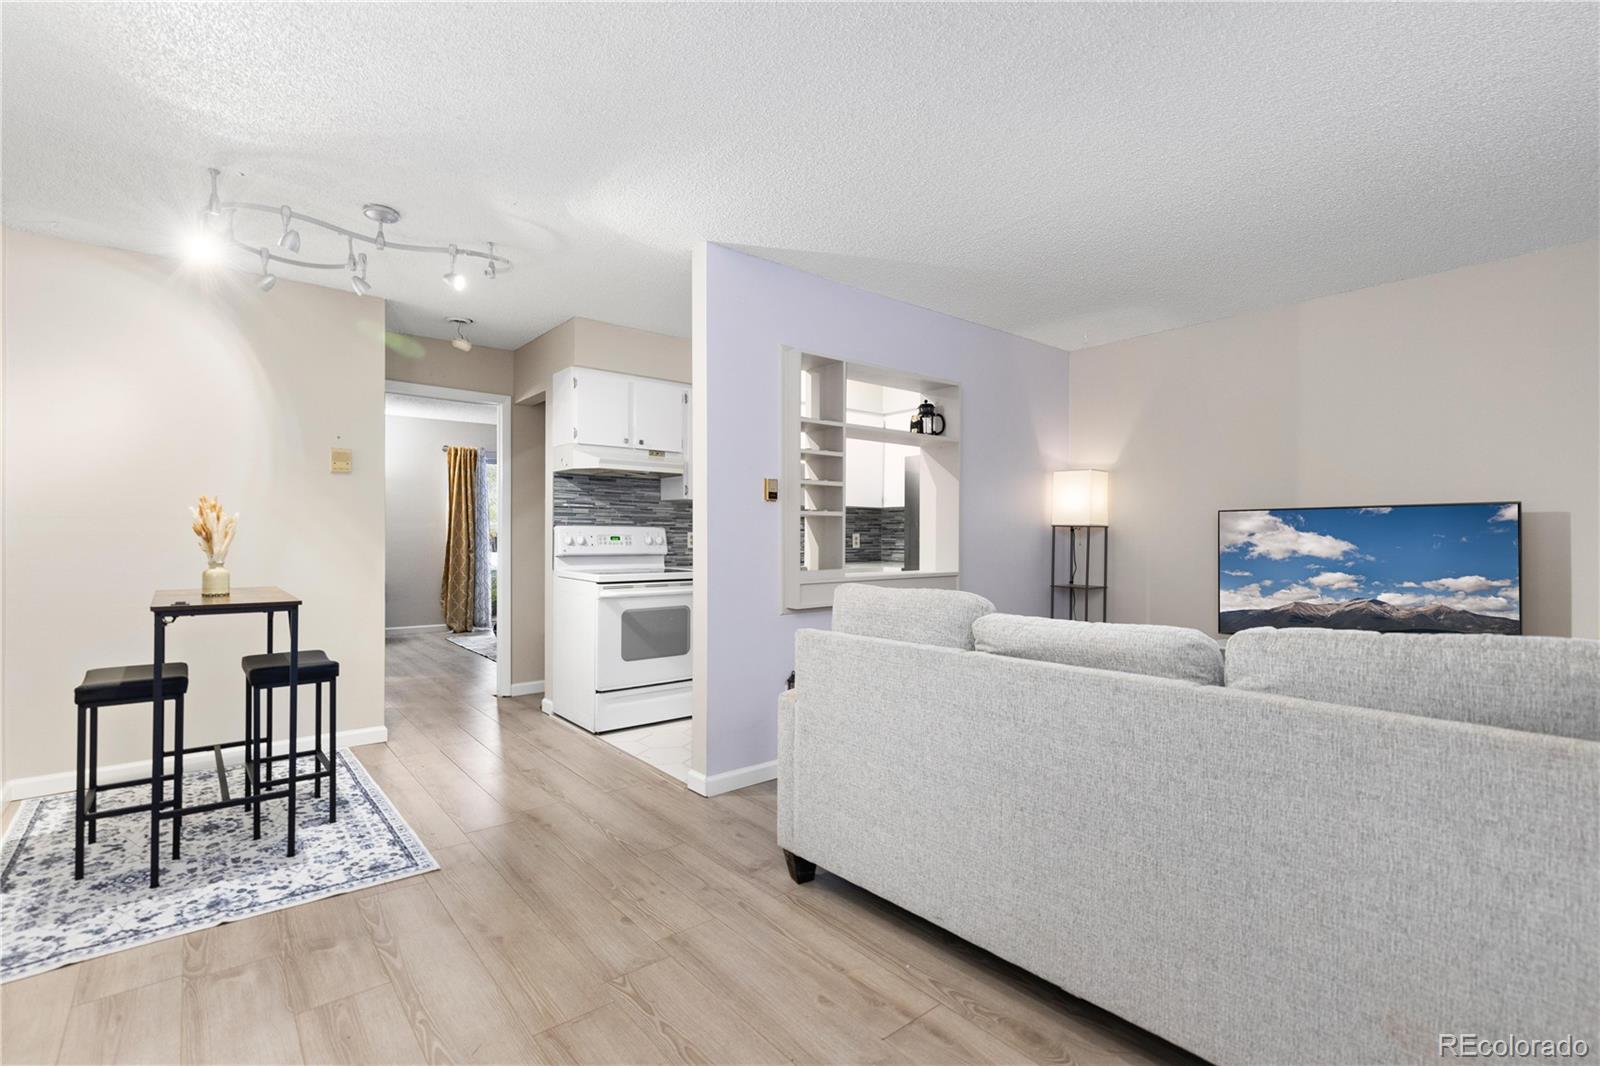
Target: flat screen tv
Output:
[(1418, 568)]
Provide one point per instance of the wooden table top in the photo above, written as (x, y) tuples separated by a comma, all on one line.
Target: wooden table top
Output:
[(192, 601)]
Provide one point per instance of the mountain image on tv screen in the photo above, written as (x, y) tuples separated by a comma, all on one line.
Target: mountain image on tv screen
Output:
[(1424, 568)]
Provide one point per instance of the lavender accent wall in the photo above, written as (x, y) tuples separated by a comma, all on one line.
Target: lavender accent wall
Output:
[(623, 500), (1014, 396)]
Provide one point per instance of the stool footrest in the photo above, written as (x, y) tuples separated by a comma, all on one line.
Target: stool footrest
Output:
[(222, 773)]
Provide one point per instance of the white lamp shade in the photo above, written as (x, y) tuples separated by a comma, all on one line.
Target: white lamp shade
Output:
[(1080, 498)]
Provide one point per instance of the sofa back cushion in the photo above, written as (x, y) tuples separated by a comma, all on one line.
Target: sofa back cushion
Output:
[(1535, 684), (942, 617), (1160, 651)]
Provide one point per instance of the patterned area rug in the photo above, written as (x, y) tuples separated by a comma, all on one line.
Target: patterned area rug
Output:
[(479, 643), (47, 919)]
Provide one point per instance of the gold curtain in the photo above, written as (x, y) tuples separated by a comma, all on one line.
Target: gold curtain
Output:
[(455, 590)]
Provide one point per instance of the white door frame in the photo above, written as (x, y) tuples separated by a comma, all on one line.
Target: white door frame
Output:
[(502, 438)]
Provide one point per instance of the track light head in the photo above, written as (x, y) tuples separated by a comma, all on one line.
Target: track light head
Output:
[(358, 282), (202, 247), (455, 280), (350, 253), (290, 239), (460, 343), (489, 271), (267, 280)]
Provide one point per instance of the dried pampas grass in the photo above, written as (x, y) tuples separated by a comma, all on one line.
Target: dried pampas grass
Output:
[(213, 529)]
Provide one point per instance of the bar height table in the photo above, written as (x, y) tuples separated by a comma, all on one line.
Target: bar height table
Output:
[(167, 606)]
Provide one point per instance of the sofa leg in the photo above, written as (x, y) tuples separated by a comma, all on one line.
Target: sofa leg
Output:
[(801, 870)]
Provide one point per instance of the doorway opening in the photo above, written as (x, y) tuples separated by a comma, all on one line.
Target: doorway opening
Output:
[(447, 577)]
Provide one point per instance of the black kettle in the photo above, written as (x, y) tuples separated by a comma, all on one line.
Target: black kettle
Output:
[(928, 420)]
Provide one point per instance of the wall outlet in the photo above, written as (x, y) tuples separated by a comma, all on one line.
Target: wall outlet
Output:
[(855, 540), (691, 538), (339, 461)]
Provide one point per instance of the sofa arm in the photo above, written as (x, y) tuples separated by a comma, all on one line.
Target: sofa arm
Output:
[(788, 704)]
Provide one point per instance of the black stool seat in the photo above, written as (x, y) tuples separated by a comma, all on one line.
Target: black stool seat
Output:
[(130, 684), (272, 670)]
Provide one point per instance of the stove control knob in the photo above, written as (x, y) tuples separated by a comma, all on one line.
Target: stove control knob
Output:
[(567, 541)]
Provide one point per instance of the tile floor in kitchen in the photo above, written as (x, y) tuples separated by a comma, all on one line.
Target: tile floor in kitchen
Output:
[(664, 745)]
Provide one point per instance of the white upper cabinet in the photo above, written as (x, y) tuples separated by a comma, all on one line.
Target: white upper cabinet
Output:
[(602, 409), (660, 410)]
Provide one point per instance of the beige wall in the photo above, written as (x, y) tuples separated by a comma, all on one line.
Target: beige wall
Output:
[(581, 342), (585, 342), (425, 361), (1477, 384), (132, 388)]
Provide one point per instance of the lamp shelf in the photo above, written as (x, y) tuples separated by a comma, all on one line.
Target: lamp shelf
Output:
[(815, 484), (821, 453), (821, 514), (829, 422)]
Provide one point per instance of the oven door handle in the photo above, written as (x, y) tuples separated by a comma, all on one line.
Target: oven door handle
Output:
[(606, 594)]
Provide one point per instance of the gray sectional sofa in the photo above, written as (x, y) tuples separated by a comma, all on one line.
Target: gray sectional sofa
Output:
[(1329, 847)]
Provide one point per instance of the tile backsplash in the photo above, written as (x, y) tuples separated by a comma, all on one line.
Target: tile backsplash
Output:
[(883, 534), (624, 500)]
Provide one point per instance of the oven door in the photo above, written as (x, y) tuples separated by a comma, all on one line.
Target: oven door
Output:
[(643, 635)]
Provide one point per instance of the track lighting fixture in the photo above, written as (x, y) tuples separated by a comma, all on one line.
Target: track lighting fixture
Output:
[(380, 213), (213, 203), (290, 241), (453, 279), (214, 233), (358, 282), (460, 344)]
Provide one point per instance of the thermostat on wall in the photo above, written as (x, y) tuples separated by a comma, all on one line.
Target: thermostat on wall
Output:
[(339, 461)]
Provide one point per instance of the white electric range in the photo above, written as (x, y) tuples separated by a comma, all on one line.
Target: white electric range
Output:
[(620, 629)]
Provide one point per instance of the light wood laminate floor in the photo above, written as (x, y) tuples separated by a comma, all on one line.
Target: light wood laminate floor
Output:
[(589, 909)]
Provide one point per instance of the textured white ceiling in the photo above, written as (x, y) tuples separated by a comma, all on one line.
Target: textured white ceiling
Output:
[(1074, 173), (404, 405)]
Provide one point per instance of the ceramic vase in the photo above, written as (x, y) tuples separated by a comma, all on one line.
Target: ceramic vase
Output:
[(214, 582)]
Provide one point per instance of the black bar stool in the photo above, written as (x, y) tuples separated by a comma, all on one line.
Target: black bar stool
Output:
[(113, 686), (263, 673)]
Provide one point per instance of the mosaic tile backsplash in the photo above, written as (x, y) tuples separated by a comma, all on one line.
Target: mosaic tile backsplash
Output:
[(883, 534), (626, 500)]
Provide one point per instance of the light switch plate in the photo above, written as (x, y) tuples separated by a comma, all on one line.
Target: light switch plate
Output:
[(769, 489), (339, 461)]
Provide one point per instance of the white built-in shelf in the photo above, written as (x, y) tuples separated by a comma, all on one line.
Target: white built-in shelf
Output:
[(819, 423), (885, 435)]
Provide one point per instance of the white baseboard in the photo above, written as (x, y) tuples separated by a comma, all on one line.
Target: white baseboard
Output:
[(50, 784), (397, 631), (527, 688), (732, 780)]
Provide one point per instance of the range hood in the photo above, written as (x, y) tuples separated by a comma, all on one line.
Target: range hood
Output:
[(592, 458)]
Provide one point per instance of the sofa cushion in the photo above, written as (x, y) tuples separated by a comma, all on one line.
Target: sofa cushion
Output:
[(1159, 651), (1535, 684), (942, 617)]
